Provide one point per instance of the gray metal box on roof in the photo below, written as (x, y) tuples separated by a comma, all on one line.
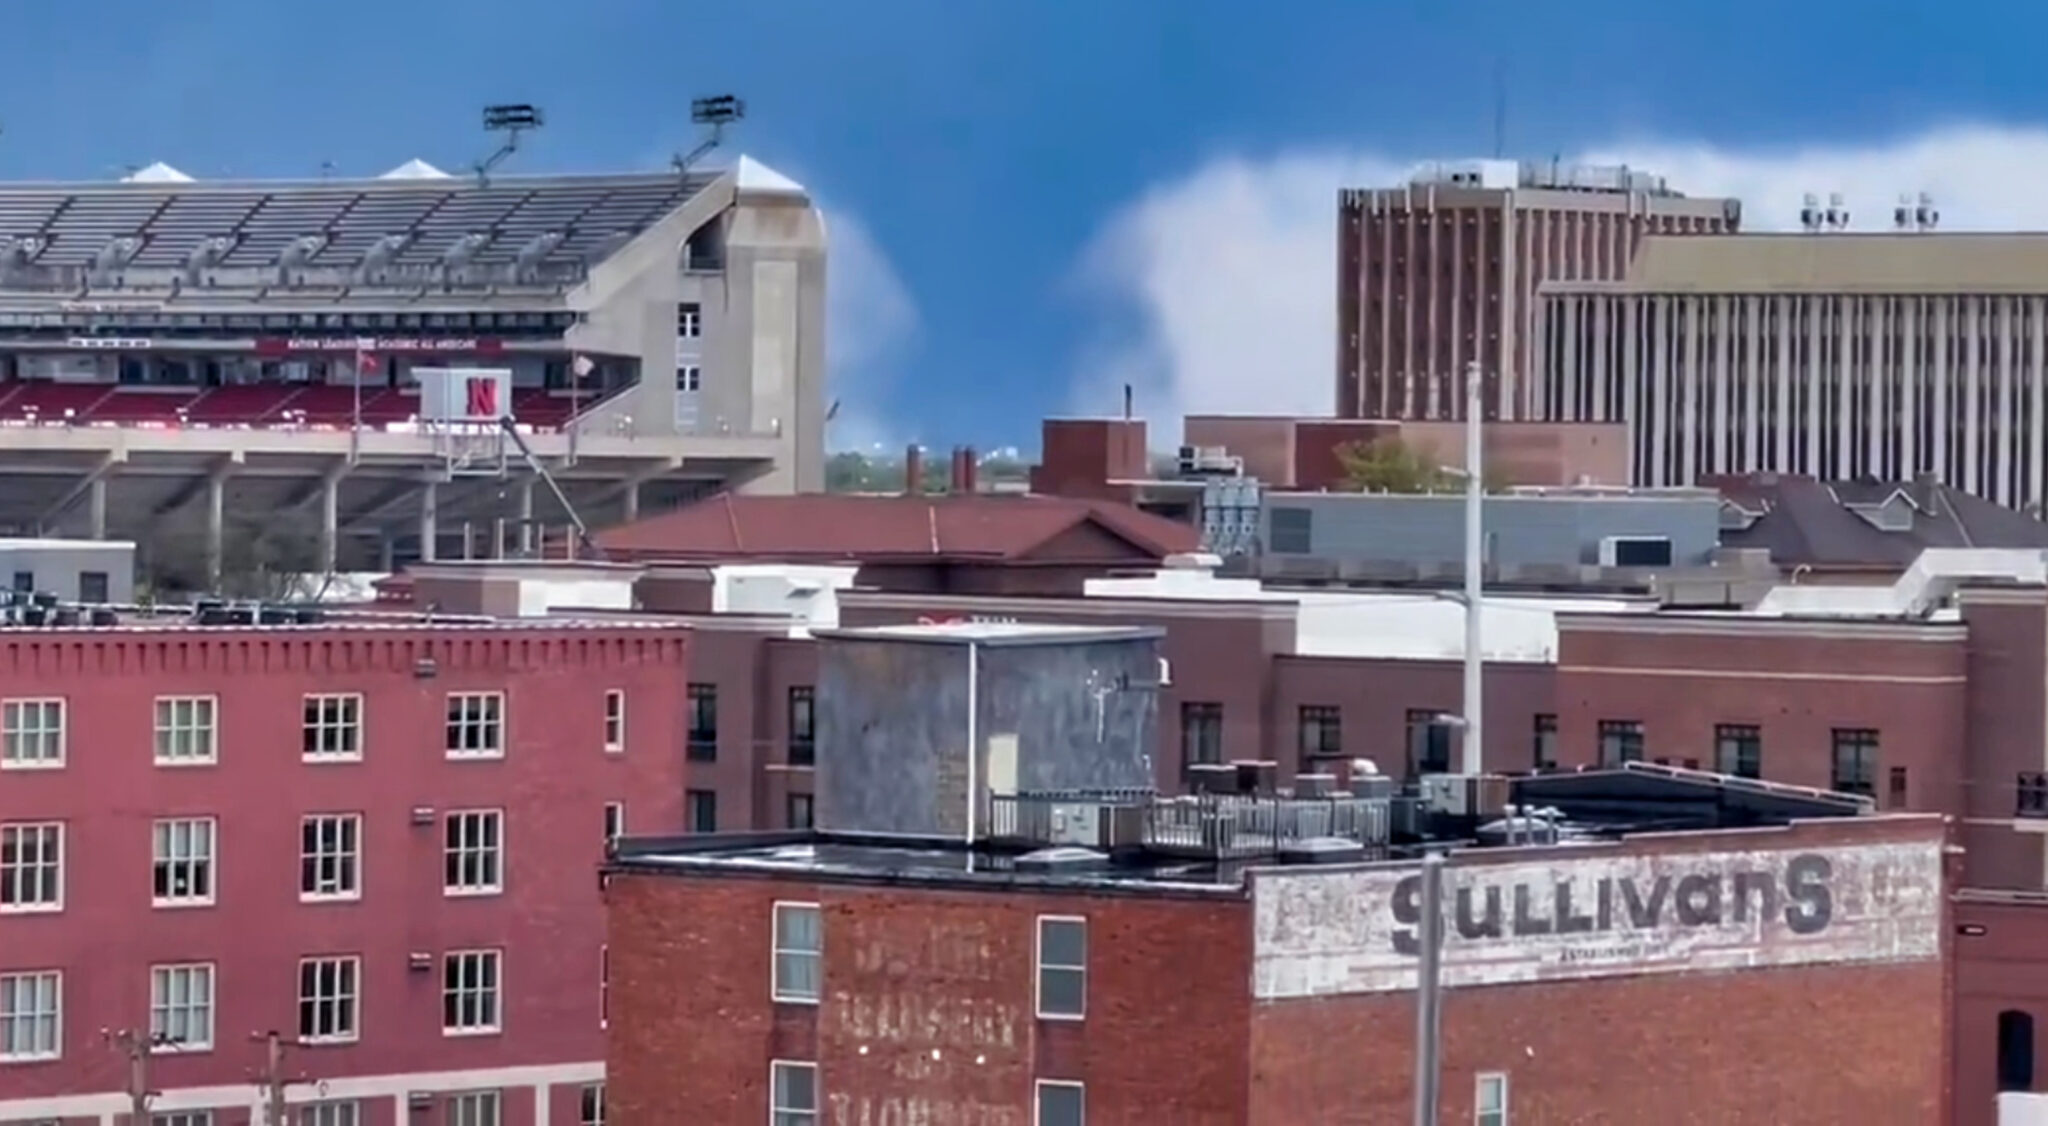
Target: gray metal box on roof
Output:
[(1046, 707)]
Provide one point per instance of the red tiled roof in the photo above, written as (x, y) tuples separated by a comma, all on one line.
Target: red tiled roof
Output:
[(854, 527)]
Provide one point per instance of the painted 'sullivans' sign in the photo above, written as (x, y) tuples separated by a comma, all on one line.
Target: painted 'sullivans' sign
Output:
[(1599, 913)]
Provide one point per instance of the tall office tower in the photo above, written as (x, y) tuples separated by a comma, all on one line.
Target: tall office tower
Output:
[(1445, 270)]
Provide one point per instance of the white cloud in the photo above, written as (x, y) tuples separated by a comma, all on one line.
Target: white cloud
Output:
[(871, 321), (1218, 288)]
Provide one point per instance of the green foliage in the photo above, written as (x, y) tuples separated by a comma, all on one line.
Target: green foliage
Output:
[(1389, 465)]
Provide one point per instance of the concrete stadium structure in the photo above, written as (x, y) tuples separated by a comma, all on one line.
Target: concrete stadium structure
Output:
[(177, 355), (1825, 354)]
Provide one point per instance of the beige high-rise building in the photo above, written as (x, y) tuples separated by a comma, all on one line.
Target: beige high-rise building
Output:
[(1833, 355)]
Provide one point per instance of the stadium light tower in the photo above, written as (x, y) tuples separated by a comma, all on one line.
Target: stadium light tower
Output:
[(512, 120), (717, 112)]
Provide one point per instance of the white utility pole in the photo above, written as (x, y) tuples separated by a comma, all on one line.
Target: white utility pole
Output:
[(1475, 563)]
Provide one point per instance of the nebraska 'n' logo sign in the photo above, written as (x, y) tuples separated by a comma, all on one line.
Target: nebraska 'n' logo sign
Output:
[(482, 394)]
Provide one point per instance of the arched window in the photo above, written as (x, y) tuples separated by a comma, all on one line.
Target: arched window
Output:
[(2015, 1050)]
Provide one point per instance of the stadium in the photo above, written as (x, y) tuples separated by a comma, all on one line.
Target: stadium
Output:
[(416, 365)]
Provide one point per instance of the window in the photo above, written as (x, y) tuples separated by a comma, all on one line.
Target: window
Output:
[(592, 1107), (793, 1094), (476, 725), (185, 730), (801, 812), (1060, 1103), (689, 321), (703, 811), (1855, 761), (614, 822), (2015, 1050), (703, 739), (32, 867), (803, 726), (1739, 750), (689, 378), (1490, 1100), (328, 990), (333, 728), (1062, 967), (799, 946), (181, 1005), (24, 582), (330, 856), (1429, 742), (1621, 740), (1896, 798), (1543, 752), (93, 587), (469, 992), (31, 734), (1321, 731), (473, 841), (31, 1009), (345, 1113), (615, 721), (1201, 734), (182, 1118), (473, 1108), (184, 862), (1290, 531)]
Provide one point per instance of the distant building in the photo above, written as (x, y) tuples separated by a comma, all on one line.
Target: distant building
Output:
[(1861, 527), (375, 836), (88, 571), (953, 543), (1563, 537), (1835, 356), (1005, 931), (1444, 271)]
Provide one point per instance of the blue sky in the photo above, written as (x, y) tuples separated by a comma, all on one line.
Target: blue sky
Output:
[(1045, 198)]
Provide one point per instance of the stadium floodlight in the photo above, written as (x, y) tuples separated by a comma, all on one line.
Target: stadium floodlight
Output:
[(717, 112), (511, 119)]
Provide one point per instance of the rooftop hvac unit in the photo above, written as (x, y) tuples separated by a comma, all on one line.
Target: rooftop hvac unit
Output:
[(1635, 551), (1197, 461)]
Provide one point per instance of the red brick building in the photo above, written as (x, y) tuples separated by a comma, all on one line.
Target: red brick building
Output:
[(873, 983), (376, 838)]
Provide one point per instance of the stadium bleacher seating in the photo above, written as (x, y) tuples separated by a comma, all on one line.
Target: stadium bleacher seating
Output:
[(533, 223)]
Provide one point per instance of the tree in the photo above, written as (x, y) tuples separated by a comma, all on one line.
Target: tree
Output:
[(262, 557), (1390, 465)]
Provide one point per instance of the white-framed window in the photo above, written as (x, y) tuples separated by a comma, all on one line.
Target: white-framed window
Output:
[(592, 1108), (474, 1108), (31, 1016), (470, 990), (183, 851), (476, 725), (330, 856), (799, 949), (182, 1118), (181, 1005), (689, 322), (1062, 967), (792, 1093), (614, 821), (187, 732), (1490, 1099), (344, 1112), (333, 728), (689, 378), (1059, 1102), (31, 734), (474, 852), (615, 721), (32, 866), (329, 993)]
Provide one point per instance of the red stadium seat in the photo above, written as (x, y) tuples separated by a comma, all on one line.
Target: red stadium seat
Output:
[(46, 402)]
